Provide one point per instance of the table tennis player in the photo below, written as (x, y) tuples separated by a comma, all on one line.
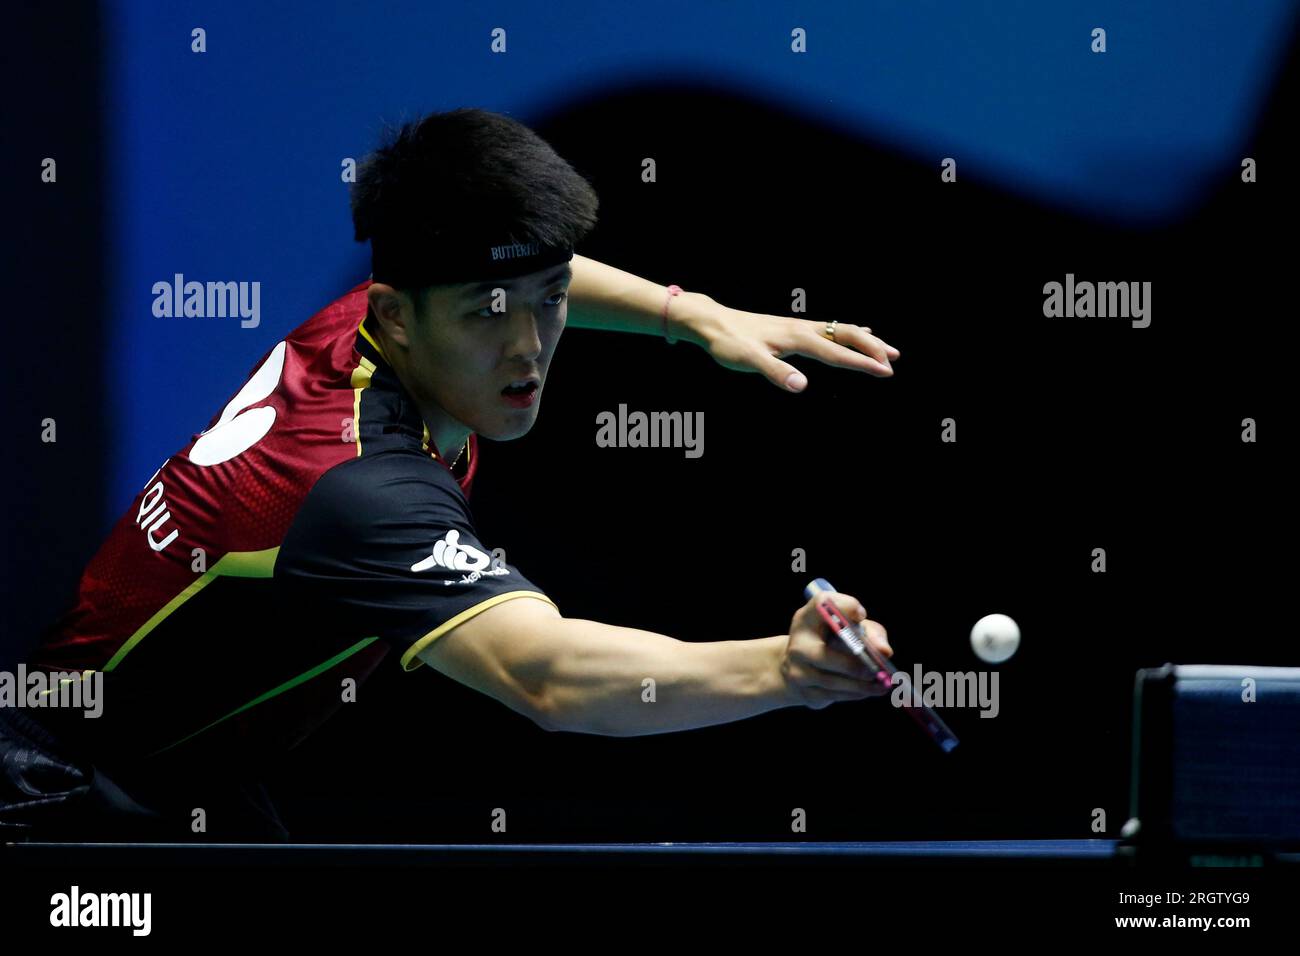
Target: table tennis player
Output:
[(319, 528)]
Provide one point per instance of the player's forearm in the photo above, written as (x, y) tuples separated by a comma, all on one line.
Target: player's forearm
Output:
[(623, 682), (602, 297)]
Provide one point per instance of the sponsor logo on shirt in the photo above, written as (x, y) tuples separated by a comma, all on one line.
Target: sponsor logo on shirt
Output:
[(451, 554)]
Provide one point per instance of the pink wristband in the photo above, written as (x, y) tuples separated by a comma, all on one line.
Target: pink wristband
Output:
[(672, 291)]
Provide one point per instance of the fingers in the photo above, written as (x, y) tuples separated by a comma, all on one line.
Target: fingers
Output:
[(846, 688), (862, 331), (872, 355), (826, 671), (831, 656), (819, 689), (781, 374), (808, 616), (878, 638), (833, 659), (832, 662)]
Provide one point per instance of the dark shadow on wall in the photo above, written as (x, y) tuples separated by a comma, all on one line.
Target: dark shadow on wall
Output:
[(751, 202), (59, 367), (1132, 442)]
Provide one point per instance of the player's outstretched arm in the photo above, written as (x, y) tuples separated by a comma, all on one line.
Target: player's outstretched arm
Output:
[(602, 297), (587, 677)]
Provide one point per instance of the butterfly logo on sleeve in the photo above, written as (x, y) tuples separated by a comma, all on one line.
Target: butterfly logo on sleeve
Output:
[(451, 554)]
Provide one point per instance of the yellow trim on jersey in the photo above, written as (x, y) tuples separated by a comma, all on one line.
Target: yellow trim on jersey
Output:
[(460, 619), (69, 680), (276, 691), (360, 380), (361, 374), (356, 417), (369, 338), (247, 564), (236, 564)]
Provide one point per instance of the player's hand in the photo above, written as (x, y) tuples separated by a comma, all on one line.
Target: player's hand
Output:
[(753, 342), (818, 672)]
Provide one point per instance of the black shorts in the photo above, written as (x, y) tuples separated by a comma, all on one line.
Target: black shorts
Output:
[(46, 793)]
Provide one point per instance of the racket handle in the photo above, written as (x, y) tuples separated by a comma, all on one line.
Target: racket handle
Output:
[(925, 718), (815, 587)]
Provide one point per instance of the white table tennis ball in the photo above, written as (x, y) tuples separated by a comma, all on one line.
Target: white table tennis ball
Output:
[(994, 638)]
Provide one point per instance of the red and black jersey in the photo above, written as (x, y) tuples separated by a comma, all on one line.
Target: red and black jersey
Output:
[(308, 532)]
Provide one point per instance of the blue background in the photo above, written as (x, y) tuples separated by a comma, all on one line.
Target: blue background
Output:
[(225, 166), (776, 170)]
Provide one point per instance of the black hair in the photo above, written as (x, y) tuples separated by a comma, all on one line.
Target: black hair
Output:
[(462, 171)]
